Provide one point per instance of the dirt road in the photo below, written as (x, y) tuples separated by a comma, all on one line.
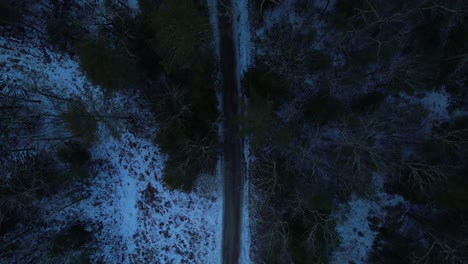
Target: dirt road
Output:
[(233, 178)]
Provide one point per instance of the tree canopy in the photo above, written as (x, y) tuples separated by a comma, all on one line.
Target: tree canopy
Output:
[(182, 33)]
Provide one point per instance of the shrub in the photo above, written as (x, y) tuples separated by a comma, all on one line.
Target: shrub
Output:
[(367, 102), (260, 83), (202, 96), (10, 12), (436, 151), (302, 229), (182, 34), (345, 14), (171, 138), (412, 76), (317, 61), (187, 156), (36, 174), (188, 134), (276, 176), (436, 237), (288, 53), (364, 57), (453, 195), (32, 177), (262, 5), (70, 239), (312, 234), (418, 181), (388, 50), (322, 202), (74, 153), (313, 238), (63, 28), (283, 136), (64, 34), (257, 120), (458, 39), (105, 66), (80, 122), (360, 60), (426, 35), (188, 113), (179, 173), (147, 7), (448, 142), (322, 108), (401, 82), (392, 246), (310, 35)]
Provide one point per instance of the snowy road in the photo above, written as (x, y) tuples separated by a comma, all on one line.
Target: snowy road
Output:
[(233, 179), (229, 21)]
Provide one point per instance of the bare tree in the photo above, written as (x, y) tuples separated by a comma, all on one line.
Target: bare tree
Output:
[(266, 174)]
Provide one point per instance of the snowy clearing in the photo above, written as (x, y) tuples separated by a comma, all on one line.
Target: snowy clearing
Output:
[(354, 230), (150, 223), (133, 217)]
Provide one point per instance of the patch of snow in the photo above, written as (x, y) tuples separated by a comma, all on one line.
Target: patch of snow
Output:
[(219, 240), (58, 72), (241, 29), (245, 254), (134, 217), (213, 12), (436, 102), (353, 228), (58, 76), (241, 26), (338, 60), (133, 4), (355, 234), (138, 218)]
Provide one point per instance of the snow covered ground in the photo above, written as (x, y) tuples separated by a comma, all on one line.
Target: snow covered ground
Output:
[(133, 216), (353, 228), (246, 224), (243, 41), (244, 51), (142, 221)]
